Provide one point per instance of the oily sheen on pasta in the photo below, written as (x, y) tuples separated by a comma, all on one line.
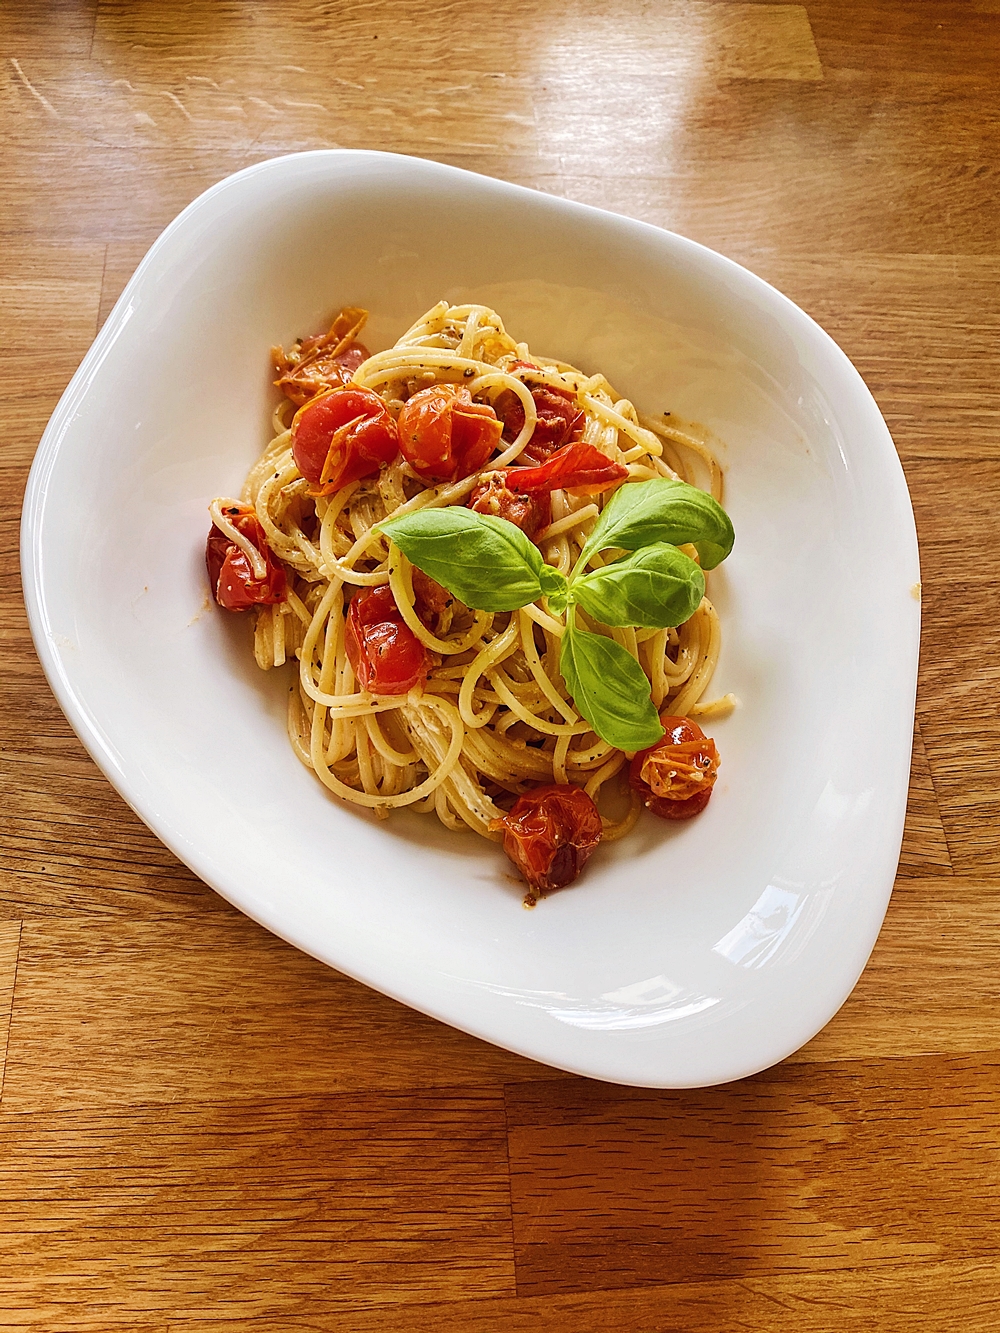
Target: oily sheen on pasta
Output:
[(491, 719)]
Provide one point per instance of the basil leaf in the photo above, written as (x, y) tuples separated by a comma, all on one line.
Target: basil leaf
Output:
[(610, 689), (655, 587), (661, 510), (556, 589), (486, 562)]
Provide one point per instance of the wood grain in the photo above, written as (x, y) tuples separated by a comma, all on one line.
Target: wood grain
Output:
[(62, 28), (957, 1297), (49, 298), (202, 1129), (10, 937), (931, 985), (946, 40), (616, 1187), (160, 1213), (237, 1013), (925, 844), (960, 668), (906, 321)]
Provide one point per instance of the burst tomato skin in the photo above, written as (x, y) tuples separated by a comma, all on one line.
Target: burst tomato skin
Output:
[(324, 361), (550, 835), (230, 574), (530, 511), (522, 495), (348, 361), (387, 657), (559, 422), (323, 373), (444, 435), (675, 777), (342, 435), (575, 466)]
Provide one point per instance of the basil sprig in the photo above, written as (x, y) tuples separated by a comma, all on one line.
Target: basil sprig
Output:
[(489, 564)]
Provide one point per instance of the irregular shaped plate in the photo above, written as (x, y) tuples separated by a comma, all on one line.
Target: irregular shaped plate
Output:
[(686, 956)]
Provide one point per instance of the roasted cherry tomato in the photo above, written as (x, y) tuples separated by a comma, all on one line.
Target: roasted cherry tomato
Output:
[(230, 573), (316, 364), (529, 512), (675, 777), (386, 655), (342, 436), (575, 466), (444, 435), (550, 835), (430, 599), (558, 423)]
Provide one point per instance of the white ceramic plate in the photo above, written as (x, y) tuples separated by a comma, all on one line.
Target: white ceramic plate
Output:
[(685, 956)]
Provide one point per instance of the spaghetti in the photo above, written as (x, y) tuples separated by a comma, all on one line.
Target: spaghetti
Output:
[(492, 717)]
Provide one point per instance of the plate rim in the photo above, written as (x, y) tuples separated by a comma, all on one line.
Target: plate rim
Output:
[(87, 727)]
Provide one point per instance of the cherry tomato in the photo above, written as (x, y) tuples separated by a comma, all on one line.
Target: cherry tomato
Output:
[(316, 364), (575, 466), (675, 777), (342, 436), (229, 571), (444, 435), (430, 599), (529, 512), (386, 655), (558, 423), (550, 835)]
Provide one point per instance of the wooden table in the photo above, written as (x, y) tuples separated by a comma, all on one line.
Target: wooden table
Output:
[(201, 1128)]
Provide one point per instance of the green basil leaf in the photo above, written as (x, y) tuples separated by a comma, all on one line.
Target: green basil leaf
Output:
[(655, 587), (486, 562), (610, 689), (556, 589), (662, 510), (552, 581)]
